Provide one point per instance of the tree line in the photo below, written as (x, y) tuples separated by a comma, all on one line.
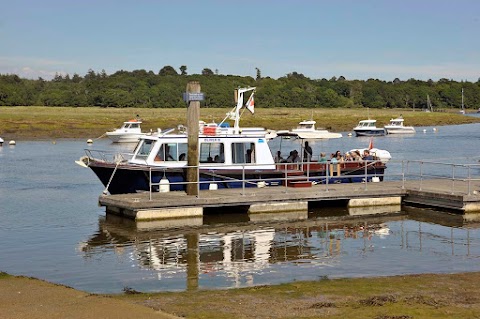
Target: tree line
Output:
[(141, 88)]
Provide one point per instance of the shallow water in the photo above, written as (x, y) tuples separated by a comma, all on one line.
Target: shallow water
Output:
[(52, 228)]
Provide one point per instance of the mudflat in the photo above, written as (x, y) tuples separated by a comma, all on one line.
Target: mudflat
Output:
[(28, 298), (397, 297)]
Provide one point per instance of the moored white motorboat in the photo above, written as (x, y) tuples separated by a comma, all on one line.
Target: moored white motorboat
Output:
[(1, 141), (306, 130), (229, 157), (396, 126), (368, 128), (130, 132)]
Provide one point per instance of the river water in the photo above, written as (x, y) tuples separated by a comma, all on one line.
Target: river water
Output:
[(52, 228)]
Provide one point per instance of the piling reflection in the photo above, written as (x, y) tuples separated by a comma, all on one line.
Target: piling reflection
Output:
[(219, 254)]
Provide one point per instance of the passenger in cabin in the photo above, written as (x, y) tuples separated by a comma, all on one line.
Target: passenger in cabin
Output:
[(367, 156), (216, 159), (307, 153), (209, 159), (279, 158), (168, 156), (182, 157), (323, 158), (248, 158)]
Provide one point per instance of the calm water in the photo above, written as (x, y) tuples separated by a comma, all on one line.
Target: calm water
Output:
[(52, 228)]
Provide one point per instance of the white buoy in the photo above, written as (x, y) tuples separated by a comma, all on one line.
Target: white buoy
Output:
[(164, 185), (349, 134), (12, 142), (434, 129), (89, 141), (424, 131)]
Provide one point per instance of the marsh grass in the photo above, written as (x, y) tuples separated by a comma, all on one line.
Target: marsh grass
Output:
[(36, 122), (415, 296)]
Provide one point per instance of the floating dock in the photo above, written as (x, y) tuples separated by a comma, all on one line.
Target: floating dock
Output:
[(459, 196)]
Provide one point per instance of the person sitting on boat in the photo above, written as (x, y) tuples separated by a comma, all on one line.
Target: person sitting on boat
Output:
[(323, 158), (293, 157), (356, 155), (182, 157), (278, 157), (367, 156), (307, 153), (348, 157), (333, 158)]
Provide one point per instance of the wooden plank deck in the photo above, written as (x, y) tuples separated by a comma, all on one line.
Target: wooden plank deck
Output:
[(443, 193)]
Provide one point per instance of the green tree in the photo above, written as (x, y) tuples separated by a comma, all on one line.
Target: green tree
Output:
[(183, 70), (167, 70)]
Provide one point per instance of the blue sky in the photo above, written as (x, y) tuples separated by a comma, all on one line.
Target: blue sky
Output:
[(357, 39)]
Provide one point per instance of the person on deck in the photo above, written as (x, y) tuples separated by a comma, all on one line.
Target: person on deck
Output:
[(323, 158), (307, 153), (278, 157), (367, 156)]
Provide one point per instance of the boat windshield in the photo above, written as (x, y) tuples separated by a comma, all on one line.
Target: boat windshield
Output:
[(143, 149)]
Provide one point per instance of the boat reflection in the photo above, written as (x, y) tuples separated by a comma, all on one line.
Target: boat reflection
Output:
[(213, 253)]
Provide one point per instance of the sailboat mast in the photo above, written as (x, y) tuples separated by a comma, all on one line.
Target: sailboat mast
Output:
[(462, 100)]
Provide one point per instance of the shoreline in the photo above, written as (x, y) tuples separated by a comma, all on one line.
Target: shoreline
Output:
[(410, 296), (47, 123)]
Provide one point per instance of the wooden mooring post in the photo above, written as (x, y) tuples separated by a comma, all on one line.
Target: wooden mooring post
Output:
[(193, 98)]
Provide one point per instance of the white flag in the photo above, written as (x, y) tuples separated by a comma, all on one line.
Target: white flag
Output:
[(250, 104)]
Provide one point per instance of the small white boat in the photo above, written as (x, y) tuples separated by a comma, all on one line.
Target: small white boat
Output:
[(368, 128), (1, 141), (306, 130), (396, 126), (130, 132)]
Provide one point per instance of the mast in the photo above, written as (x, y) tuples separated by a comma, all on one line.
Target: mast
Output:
[(463, 110), (235, 113), (429, 104)]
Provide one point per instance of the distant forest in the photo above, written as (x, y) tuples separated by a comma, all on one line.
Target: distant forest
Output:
[(141, 88)]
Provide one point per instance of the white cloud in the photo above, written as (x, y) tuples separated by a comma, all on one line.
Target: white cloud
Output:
[(32, 68)]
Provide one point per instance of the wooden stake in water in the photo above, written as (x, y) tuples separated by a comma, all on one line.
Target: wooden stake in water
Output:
[(193, 114)]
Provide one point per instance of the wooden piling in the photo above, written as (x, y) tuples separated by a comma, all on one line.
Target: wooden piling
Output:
[(193, 115)]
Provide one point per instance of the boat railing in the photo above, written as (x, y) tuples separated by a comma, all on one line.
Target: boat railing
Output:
[(292, 174), (108, 156), (464, 179)]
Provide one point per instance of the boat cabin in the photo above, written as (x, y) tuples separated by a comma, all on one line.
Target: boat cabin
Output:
[(306, 125), (216, 151), (396, 122), (367, 123), (132, 125)]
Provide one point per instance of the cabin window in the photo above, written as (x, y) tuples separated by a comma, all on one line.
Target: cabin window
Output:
[(243, 153), (144, 149), (212, 153), (134, 125), (172, 152)]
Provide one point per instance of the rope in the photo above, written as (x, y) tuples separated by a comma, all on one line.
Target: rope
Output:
[(100, 136), (105, 192)]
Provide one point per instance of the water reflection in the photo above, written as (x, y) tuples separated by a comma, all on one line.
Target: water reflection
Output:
[(219, 254)]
